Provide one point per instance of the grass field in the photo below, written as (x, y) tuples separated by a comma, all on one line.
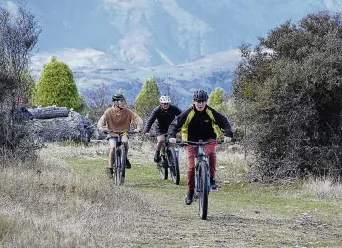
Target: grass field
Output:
[(66, 200)]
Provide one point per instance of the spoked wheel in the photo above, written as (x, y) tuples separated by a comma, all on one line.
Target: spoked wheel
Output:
[(120, 165), (173, 164), (203, 189), (162, 168)]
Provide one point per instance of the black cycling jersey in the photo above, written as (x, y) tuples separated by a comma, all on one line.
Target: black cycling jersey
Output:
[(164, 117), (200, 126)]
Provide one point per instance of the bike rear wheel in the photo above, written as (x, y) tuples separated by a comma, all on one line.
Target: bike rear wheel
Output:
[(173, 165), (203, 189)]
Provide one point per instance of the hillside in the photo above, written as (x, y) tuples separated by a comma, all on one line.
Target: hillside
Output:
[(149, 33), (121, 42)]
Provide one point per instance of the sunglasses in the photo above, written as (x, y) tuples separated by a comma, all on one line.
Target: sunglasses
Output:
[(200, 101)]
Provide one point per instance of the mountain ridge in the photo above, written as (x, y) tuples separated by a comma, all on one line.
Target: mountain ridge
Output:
[(122, 42)]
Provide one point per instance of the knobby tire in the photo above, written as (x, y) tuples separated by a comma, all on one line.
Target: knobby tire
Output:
[(203, 189), (173, 165), (120, 165), (163, 167)]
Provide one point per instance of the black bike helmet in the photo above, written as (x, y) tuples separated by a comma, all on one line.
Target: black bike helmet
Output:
[(200, 95), (117, 97)]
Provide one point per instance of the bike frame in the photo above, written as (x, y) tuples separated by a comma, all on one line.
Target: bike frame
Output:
[(119, 167), (165, 153), (200, 156), (202, 187)]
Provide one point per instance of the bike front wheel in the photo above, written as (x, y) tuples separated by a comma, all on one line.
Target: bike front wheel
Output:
[(162, 168), (173, 165), (120, 165), (203, 189)]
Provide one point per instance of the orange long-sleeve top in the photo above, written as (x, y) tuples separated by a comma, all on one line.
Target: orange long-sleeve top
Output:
[(118, 119)]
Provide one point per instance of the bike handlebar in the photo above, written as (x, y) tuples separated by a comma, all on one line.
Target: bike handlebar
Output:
[(121, 132), (193, 143), (155, 135)]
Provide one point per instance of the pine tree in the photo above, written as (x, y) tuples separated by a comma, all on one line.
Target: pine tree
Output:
[(148, 98), (56, 86), (218, 100)]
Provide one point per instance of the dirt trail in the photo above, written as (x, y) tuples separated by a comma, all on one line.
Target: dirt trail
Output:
[(180, 226)]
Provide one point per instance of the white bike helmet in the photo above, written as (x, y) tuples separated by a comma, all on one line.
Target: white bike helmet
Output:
[(165, 99)]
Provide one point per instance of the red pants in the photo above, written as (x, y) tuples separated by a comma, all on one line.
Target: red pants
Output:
[(210, 151)]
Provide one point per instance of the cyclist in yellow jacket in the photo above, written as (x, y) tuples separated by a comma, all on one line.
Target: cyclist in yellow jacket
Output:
[(200, 122)]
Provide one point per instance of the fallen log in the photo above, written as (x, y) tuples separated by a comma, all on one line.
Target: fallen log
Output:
[(49, 112)]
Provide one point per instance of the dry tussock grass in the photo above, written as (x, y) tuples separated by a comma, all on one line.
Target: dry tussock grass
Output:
[(324, 188), (48, 205)]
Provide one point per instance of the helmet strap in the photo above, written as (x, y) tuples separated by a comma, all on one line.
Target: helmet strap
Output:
[(116, 104)]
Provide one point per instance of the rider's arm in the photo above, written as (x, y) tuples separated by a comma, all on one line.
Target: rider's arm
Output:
[(223, 123), (102, 123), (177, 123), (138, 121), (151, 119)]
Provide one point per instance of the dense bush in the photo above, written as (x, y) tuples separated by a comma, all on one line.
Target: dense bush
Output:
[(289, 89)]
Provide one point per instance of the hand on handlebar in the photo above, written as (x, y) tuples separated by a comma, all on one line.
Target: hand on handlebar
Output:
[(104, 130), (172, 141), (137, 130), (147, 134)]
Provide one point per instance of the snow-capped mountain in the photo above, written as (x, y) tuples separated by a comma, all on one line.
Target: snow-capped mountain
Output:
[(122, 42), (156, 32)]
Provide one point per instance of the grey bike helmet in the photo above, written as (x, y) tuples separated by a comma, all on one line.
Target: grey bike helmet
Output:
[(200, 95), (117, 97)]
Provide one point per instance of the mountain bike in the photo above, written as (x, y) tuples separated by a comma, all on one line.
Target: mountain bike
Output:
[(169, 159), (120, 157), (202, 177)]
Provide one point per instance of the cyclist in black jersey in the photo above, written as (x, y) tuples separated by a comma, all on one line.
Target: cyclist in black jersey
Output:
[(165, 113)]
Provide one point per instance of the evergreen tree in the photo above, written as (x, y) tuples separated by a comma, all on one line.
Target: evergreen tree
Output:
[(218, 100), (56, 86), (148, 98)]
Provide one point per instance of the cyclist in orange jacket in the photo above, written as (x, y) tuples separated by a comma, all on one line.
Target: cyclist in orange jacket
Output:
[(118, 118)]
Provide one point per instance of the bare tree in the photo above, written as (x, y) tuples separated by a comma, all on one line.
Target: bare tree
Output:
[(175, 98), (98, 97), (19, 33)]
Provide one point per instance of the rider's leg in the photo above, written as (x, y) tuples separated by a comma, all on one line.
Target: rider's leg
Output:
[(160, 142), (210, 151), (191, 173), (111, 148), (124, 140)]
